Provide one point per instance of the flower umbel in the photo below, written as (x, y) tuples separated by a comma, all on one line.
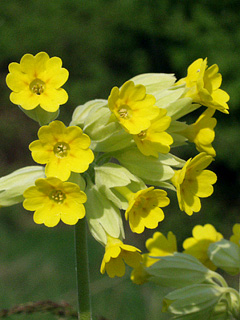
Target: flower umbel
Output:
[(203, 84), (63, 149), (116, 253), (37, 80), (193, 182), (197, 245), (154, 139), (133, 108), (54, 200), (144, 209)]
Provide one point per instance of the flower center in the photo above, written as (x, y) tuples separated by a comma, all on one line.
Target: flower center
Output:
[(123, 112), (37, 86), (57, 196), (141, 135), (61, 149), (140, 202)]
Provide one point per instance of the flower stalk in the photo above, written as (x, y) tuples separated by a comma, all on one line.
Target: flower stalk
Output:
[(82, 271)]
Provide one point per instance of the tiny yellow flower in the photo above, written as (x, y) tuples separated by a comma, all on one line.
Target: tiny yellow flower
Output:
[(158, 246), (116, 253), (133, 108), (197, 245), (63, 149), (144, 209), (202, 132), (193, 182), (54, 200), (37, 80), (203, 84), (154, 139), (236, 234)]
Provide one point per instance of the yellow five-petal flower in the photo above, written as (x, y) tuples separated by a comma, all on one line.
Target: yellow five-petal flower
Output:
[(133, 108), (193, 182), (116, 253), (54, 200), (37, 81), (63, 149)]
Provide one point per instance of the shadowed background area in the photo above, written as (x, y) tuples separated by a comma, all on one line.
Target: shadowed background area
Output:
[(102, 44)]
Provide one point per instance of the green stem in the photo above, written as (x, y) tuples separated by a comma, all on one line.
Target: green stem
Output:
[(84, 300)]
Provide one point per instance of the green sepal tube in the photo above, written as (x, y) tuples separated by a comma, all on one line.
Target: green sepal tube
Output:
[(225, 255), (40, 115)]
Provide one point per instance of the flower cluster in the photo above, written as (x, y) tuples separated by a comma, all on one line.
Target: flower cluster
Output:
[(116, 155), (195, 290)]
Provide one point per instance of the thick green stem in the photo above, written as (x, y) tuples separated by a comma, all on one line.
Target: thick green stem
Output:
[(82, 271)]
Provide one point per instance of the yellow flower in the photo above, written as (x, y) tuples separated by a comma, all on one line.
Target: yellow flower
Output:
[(202, 132), (158, 246), (54, 200), (197, 245), (133, 108), (63, 149), (116, 253), (144, 209), (154, 139), (236, 234), (193, 182), (37, 80), (203, 84)]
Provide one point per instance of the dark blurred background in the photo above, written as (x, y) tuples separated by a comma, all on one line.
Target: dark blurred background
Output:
[(102, 44)]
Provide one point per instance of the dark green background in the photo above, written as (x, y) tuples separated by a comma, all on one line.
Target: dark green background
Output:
[(102, 44)]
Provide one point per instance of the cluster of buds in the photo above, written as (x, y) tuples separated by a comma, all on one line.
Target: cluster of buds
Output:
[(116, 153)]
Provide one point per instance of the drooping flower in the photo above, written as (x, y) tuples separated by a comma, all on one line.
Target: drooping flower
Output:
[(154, 139), (37, 80), (116, 255), (203, 84), (197, 245), (236, 234), (158, 246), (193, 182), (63, 149), (144, 210), (54, 200), (202, 132), (133, 108)]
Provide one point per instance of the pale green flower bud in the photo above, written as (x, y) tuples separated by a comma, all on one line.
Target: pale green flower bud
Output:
[(179, 270), (13, 185), (194, 301), (111, 175), (103, 216), (153, 171), (225, 255), (155, 82), (40, 115)]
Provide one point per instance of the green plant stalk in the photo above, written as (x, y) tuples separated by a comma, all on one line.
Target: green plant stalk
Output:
[(82, 271)]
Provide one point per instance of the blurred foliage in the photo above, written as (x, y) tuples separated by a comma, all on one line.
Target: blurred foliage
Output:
[(103, 43)]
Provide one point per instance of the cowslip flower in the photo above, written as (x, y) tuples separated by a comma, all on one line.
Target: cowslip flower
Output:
[(203, 84), (202, 132), (154, 139), (158, 246), (193, 182), (133, 108), (236, 234), (198, 244), (36, 81), (63, 149), (54, 200), (116, 255), (144, 207)]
